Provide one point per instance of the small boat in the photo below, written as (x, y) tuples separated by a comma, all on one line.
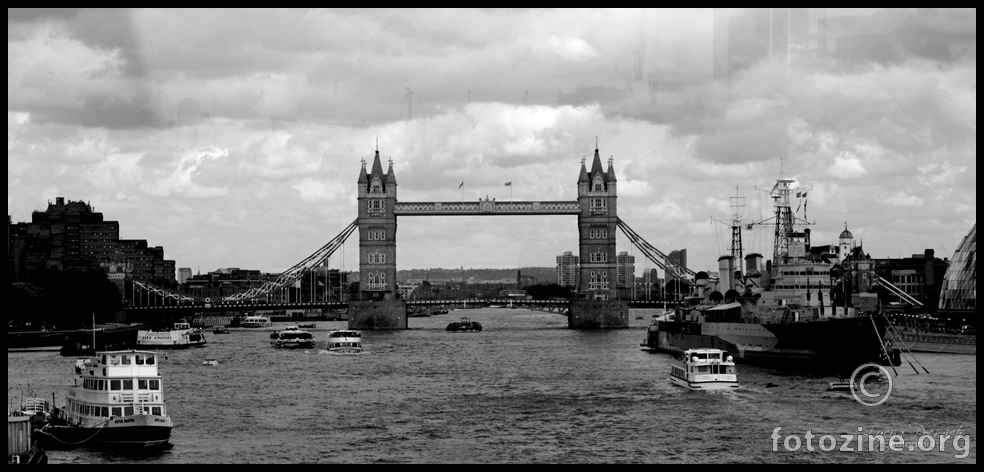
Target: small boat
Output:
[(256, 321), (211, 362), (292, 337), (308, 326), (704, 369), (839, 386), (345, 341), (38, 410), (180, 335), (220, 330), (464, 325), (118, 404)]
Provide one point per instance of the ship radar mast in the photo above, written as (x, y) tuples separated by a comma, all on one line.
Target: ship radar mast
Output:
[(785, 218), (737, 202)]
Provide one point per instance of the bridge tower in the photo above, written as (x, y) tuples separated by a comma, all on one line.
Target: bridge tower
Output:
[(377, 306), (596, 305)]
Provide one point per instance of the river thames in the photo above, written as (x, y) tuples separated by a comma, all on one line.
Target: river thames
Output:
[(526, 389)]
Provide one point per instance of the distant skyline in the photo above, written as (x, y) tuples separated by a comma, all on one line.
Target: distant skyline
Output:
[(233, 138)]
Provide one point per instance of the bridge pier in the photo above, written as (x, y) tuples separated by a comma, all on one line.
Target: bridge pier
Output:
[(377, 315), (598, 314)]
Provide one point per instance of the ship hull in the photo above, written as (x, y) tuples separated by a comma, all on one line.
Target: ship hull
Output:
[(124, 434), (832, 344)]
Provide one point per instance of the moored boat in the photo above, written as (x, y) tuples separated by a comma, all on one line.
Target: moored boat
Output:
[(704, 369), (118, 404), (464, 324), (292, 337), (181, 335), (220, 330), (256, 321), (787, 314), (344, 341)]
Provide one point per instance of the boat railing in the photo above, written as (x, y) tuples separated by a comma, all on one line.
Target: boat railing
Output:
[(938, 338)]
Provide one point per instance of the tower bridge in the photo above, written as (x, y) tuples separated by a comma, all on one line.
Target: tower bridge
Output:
[(378, 304)]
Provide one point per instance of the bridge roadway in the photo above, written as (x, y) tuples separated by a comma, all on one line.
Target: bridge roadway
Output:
[(187, 309)]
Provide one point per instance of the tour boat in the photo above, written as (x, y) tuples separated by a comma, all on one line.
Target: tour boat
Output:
[(464, 325), (292, 337), (345, 341), (256, 321), (119, 404), (180, 336), (704, 369)]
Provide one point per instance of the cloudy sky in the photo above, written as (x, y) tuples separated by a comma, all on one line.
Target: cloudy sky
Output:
[(233, 138)]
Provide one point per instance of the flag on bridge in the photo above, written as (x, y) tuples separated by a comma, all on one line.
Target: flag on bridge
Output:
[(509, 184), (462, 185)]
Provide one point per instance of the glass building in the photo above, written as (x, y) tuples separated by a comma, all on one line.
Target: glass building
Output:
[(960, 281)]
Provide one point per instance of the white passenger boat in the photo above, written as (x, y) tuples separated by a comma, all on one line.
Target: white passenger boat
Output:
[(292, 337), (118, 404), (256, 321), (180, 336), (345, 341), (704, 369)]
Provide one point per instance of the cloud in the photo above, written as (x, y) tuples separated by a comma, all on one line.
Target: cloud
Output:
[(244, 122), (572, 49), (904, 200), (847, 166)]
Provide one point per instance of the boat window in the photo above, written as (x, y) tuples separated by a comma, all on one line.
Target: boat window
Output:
[(117, 411), (114, 384), (142, 384), (102, 385), (155, 384), (104, 359), (128, 384), (150, 360), (128, 411), (104, 412), (126, 360), (730, 369), (156, 410), (139, 359), (702, 369), (113, 360)]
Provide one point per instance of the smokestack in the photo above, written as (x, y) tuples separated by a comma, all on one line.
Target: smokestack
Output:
[(726, 272)]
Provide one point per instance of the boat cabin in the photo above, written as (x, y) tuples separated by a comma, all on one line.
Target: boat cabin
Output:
[(704, 369), (345, 340), (116, 384)]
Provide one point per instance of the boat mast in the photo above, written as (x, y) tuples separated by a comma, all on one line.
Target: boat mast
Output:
[(784, 220), (735, 223)]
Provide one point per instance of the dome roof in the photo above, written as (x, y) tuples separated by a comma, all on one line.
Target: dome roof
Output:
[(846, 234), (959, 291)]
